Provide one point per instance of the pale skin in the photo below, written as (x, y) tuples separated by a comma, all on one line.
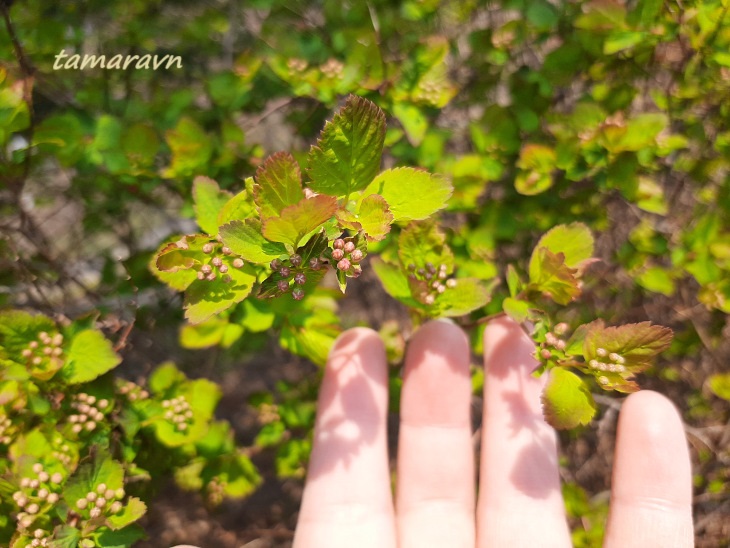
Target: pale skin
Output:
[(348, 500)]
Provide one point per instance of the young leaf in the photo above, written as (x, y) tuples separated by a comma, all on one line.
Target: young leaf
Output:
[(278, 185), (513, 281), (373, 218), (89, 356), (244, 238), (239, 207), (132, 511), (347, 154), (394, 281), (183, 254), (566, 400), (549, 274), (412, 194), (421, 243), (516, 309), (209, 199), (299, 219), (179, 279)]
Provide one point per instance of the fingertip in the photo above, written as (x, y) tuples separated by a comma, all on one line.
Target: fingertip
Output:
[(440, 335)]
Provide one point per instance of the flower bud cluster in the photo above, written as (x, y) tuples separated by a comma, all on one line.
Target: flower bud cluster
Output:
[(5, 429), (268, 412), (40, 538), (178, 412), (221, 260), (436, 280), (295, 65), (216, 491), (292, 273), (429, 91), (100, 501), (347, 257), (133, 391), (332, 69), (36, 491), (614, 364), (63, 454), (90, 412), (45, 348)]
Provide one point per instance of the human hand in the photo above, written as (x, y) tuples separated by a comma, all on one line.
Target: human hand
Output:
[(347, 498)]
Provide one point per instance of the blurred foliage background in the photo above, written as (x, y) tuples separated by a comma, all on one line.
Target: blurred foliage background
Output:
[(612, 113)]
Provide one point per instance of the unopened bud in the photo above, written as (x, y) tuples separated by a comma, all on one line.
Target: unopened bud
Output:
[(545, 353), (52, 498), (56, 478), (208, 248), (283, 285), (561, 328), (223, 269), (206, 269), (451, 283), (226, 250), (32, 508), (95, 512), (314, 263), (430, 299), (115, 507), (337, 254), (237, 263), (601, 352), (356, 271), (339, 243), (356, 256), (349, 247), (344, 265), (300, 278), (298, 293), (295, 260), (216, 261), (210, 277), (275, 264), (37, 467)]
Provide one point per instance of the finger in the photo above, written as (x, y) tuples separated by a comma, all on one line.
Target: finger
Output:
[(435, 495), (520, 503), (347, 498), (651, 496)]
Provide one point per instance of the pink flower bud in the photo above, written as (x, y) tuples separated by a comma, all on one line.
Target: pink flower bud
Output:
[(283, 285), (339, 243), (337, 254), (300, 278), (217, 261), (223, 269), (545, 353), (284, 271), (275, 264), (344, 264), (314, 263), (298, 293), (349, 247), (237, 263), (356, 256), (208, 248), (295, 260), (226, 250)]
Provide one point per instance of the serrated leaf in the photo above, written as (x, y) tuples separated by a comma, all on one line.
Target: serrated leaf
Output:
[(65, 536), (122, 538), (574, 241), (18, 329), (536, 163), (373, 218), (179, 279), (208, 199), (278, 185), (300, 219), (636, 343), (240, 476), (566, 400), (245, 238), (89, 356), (467, 295), (421, 243), (88, 477), (204, 298), (347, 155), (133, 509), (411, 194)]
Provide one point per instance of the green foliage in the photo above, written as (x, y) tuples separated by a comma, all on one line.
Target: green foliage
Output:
[(74, 435)]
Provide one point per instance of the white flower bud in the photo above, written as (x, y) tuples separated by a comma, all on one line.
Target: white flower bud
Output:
[(95, 512), (109, 494), (76, 428), (57, 352), (37, 360), (38, 533), (52, 498), (91, 496), (226, 250), (339, 243), (451, 283), (34, 484), (32, 508), (603, 380), (115, 507), (338, 254), (223, 269), (57, 477), (208, 248), (27, 353), (430, 299), (602, 352), (57, 339), (101, 488), (37, 468), (216, 261), (24, 482), (238, 263), (100, 502), (103, 404), (42, 493), (91, 400)]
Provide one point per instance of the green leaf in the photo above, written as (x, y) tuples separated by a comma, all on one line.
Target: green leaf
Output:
[(413, 120), (373, 218), (299, 219), (88, 477), (204, 298), (536, 163), (178, 278), (278, 185), (132, 511), (411, 194), (65, 536), (574, 241), (165, 377), (347, 154), (240, 476), (209, 200), (312, 340), (421, 243), (140, 143), (516, 309), (656, 279), (182, 254), (89, 356), (513, 281), (244, 238), (240, 207), (719, 383), (191, 149), (467, 295), (566, 400), (122, 538), (203, 335), (394, 281)]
